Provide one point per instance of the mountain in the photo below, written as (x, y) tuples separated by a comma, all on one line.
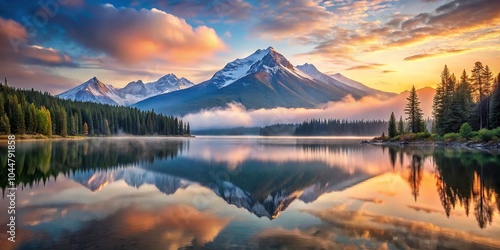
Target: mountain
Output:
[(166, 84), (95, 91), (265, 79), (132, 176), (341, 81)]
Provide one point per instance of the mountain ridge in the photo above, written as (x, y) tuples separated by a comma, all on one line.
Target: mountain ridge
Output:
[(264, 79), (94, 90)]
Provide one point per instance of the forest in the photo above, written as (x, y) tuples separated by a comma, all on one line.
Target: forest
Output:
[(33, 112), (464, 108), (341, 127)]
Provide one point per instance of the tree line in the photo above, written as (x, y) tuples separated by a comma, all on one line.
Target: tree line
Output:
[(465, 104), (473, 99), (341, 127), (34, 112)]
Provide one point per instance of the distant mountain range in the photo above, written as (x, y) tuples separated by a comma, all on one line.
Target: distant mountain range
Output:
[(264, 79), (94, 90)]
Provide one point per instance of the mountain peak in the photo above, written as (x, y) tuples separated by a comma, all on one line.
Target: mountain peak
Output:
[(169, 76), (307, 66)]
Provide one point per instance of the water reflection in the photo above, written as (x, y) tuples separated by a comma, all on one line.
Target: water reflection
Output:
[(471, 179), (175, 193)]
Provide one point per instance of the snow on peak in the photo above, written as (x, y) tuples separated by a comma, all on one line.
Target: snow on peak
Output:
[(167, 83), (268, 60), (94, 90)]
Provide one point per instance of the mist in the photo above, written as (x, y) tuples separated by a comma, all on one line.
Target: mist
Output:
[(368, 108)]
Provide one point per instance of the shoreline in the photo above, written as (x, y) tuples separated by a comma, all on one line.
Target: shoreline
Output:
[(27, 138), (491, 147)]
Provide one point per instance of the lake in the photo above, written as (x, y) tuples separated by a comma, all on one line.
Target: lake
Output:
[(250, 193)]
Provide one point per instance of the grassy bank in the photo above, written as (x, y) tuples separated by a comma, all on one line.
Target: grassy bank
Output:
[(35, 137), (483, 139)]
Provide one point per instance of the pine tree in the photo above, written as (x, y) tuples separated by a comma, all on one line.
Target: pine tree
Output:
[(18, 126), (62, 122), (414, 112), (495, 104), (487, 77), (401, 126), (461, 104), (85, 128), (479, 89), (106, 127), (392, 131), (4, 124)]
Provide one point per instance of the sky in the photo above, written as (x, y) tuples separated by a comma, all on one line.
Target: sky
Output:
[(54, 45)]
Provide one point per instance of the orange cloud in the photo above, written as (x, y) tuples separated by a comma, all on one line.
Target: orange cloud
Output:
[(21, 63), (435, 54), (459, 20), (134, 36), (368, 66)]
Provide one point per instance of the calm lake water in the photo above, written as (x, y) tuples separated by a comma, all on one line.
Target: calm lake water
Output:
[(251, 193)]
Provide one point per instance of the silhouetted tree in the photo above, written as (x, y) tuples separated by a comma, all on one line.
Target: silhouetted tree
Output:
[(414, 112), (392, 131)]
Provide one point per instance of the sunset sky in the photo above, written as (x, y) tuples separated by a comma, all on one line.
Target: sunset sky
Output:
[(390, 45)]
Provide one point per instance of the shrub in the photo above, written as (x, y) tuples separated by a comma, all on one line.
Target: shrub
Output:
[(395, 138), (452, 137), (423, 135), (465, 131), (437, 137), (408, 137), (485, 135), (496, 132)]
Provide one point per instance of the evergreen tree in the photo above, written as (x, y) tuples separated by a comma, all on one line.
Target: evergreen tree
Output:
[(495, 104), (414, 112), (401, 126), (4, 124), (461, 104), (85, 128), (392, 131), (480, 89), (62, 122), (487, 77), (18, 126)]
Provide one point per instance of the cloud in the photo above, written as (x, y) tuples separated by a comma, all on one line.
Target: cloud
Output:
[(388, 71), (134, 36), (436, 54), (217, 10), (368, 66), (361, 229), (235, 115), (293, 19), (22, 63), (458, 19)]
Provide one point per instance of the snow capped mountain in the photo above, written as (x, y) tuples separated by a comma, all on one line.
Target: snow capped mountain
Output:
[(355, 84), (265, 79), (237, 69), (135, 88), (262, 60), (133, 176), (340, 81), (166, 84), (95, 91)]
